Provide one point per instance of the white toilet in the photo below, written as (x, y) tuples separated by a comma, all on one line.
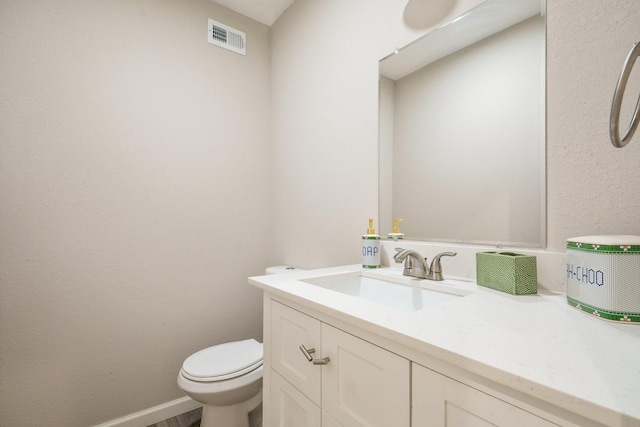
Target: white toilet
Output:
[(227, 378)]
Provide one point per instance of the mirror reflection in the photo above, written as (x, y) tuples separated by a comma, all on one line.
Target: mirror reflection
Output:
[(462, 129)]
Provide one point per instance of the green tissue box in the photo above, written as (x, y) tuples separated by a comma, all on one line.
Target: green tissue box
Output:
[(515, 274)]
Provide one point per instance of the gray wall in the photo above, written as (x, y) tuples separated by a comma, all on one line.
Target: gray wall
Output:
[(324, 86), (326, 122), (134, 197)]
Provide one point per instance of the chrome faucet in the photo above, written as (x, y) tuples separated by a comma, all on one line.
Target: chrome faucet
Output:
[(421, 270)]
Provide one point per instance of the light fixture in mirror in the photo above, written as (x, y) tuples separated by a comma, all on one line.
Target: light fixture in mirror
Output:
[(462, 129)]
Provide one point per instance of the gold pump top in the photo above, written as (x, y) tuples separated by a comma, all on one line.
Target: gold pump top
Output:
[(371, 230), (396, 228)]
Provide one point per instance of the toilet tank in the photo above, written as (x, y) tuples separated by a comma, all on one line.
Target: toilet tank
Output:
[(279, 269)]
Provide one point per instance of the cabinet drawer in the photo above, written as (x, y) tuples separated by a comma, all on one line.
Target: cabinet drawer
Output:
[(289, 407), (439, 401), (289, 330)]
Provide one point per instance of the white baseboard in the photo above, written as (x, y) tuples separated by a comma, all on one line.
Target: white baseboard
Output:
[(155, 414)]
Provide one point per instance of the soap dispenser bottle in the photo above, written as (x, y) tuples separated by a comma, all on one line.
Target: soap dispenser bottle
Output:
[(371, 248), (395, 233)]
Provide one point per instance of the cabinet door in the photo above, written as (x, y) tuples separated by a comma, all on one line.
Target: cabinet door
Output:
[(363, 384), (439, 401), (289, 330), (289, 407)]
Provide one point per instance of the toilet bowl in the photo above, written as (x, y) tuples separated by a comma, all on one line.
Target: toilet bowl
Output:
[(227, 378)]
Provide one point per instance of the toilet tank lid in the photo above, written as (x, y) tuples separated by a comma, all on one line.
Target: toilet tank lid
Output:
[(279, 269), (223, 361)]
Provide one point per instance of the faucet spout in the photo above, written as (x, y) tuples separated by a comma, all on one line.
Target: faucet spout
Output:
[(416, 266)]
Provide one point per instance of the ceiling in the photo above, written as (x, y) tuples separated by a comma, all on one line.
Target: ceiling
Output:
[(265, 11)]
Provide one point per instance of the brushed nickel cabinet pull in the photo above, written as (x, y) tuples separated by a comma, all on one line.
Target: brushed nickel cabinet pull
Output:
[(308, 352)]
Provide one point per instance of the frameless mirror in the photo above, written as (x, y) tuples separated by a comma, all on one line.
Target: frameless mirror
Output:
[(462, 129)]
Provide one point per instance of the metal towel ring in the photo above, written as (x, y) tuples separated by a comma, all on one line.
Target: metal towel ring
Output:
[(614, 120)]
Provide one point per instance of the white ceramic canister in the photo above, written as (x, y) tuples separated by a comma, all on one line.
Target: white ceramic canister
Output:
[(603, 276)]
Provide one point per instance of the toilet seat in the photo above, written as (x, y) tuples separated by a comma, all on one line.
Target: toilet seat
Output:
[(224, 361)]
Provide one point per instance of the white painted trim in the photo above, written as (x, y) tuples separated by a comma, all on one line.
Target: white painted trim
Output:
[(155, 414)]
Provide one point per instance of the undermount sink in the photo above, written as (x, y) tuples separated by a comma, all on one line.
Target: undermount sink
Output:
[(399, 292)]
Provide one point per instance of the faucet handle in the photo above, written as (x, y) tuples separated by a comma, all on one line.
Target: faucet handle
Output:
[(436, 267), (398, 252)]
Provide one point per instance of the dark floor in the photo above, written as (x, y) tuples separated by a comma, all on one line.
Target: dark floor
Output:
[(188, 419), (192, 419)]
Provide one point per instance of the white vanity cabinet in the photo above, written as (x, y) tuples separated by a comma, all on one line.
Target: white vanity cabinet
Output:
[(360, 384), (439, 401), (364, 384), (449, 365)]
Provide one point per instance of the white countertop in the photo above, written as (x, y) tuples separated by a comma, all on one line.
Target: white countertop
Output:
[(536, 344)]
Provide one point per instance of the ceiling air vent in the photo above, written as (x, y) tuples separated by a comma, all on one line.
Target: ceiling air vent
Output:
[(227, 37)]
